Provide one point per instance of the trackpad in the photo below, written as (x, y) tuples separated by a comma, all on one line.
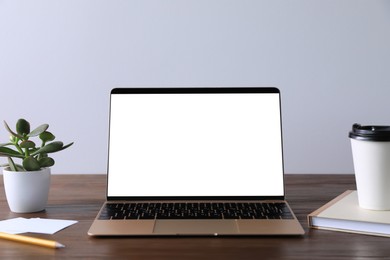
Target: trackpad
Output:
[(195, 227)]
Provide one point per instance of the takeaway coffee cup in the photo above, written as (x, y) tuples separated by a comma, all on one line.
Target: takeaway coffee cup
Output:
[(371, 159)]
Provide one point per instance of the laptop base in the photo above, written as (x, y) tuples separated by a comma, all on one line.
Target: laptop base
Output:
[(194, 227)]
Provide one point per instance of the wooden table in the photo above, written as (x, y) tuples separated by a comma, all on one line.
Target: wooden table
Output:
[(79, 197)]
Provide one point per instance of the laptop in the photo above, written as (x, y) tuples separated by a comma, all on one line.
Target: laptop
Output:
[(195, 162)]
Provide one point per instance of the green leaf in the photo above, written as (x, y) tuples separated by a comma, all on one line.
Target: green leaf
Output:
[(8, 152), (27, 144), (46, 162), (10, 131), (22, 127), (18, 167), (39, 130), (12, 165), (50, 148), (1, 145), (46, 136), (66, 146), (31, 164)]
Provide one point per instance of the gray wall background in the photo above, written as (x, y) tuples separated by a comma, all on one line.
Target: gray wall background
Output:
[(331, 60)]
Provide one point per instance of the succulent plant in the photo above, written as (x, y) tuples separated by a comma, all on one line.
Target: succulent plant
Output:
[(33, 157)]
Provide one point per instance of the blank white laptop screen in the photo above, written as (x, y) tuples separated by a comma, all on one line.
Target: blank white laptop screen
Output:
[(222, 144)]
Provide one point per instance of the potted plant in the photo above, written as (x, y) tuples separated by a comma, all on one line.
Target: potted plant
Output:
[(27, 184)]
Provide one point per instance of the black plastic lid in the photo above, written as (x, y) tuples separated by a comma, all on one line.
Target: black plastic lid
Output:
[(370, 132)]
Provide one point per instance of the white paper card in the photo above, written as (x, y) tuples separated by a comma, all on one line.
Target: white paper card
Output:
[(34, 225)]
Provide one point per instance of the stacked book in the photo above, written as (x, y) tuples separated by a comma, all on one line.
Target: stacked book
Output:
[(344, 214)]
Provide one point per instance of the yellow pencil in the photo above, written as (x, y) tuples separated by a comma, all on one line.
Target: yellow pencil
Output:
[(31, 240)]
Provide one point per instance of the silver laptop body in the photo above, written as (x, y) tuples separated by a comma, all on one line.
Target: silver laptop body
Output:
[(207, 148)]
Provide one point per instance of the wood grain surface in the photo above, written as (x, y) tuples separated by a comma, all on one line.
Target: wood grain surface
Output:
[(79, 197)]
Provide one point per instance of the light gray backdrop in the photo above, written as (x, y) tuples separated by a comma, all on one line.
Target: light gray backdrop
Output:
[(331, 59)]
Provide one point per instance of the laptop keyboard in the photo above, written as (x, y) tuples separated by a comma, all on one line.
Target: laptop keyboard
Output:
[(195, 210)]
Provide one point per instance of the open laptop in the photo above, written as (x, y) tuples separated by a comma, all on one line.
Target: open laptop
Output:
[(195, 161)]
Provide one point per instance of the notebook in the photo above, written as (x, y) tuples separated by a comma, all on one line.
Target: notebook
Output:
[(195, 161)]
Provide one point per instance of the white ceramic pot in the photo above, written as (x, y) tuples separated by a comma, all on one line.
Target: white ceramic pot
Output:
[(27, 191)]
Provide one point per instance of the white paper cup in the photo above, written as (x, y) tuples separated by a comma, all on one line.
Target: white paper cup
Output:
[(371, 159)]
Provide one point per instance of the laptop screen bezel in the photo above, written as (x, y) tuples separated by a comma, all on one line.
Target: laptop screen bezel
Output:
[(195, 90)]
